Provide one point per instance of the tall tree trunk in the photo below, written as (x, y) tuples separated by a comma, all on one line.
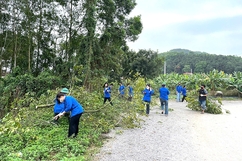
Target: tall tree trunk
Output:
[(15, 50), (66, 46), (2, 51), (70, 33), (70, 39), (15, 35), (39, 38), (29, 55), (90, 25)]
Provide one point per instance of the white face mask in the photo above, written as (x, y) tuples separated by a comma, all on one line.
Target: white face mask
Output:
[(62, 98)]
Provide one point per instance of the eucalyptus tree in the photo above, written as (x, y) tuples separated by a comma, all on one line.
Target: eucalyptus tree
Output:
[(15, 20), (4, 33), (108, 27), (41, 34), (27, 33), (11, 33), (29, 25), (42, 37)]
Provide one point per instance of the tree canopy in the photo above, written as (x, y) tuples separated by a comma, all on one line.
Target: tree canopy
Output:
[(59, 35)]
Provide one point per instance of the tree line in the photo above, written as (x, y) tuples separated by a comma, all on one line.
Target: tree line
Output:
[(61, 36)]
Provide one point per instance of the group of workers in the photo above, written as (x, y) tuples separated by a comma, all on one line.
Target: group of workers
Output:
[(107, 92), (66, 105), (164, 96), (147, 92)]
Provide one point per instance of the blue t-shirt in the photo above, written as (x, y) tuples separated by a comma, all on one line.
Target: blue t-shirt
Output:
[(164, 92), (73, 106)]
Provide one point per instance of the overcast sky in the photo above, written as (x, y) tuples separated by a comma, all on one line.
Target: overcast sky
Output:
[(212, 26)]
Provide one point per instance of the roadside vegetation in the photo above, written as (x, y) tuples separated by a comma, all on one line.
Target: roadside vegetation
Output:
[(28, 133)]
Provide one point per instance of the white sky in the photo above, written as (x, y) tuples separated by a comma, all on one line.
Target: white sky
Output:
[(212, 26)]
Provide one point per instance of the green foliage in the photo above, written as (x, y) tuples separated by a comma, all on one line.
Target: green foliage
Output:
[(145, 62), (25, 85), (214, 80), (28, 133), (213, 104), (92, 34)]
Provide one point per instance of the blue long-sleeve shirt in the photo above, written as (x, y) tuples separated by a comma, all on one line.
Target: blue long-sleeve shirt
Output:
[(179, 88), (147, 95), (121, 89), (73, 106), (164, 92), (58, 107), (107, 91), (131, 93), (184, 91)]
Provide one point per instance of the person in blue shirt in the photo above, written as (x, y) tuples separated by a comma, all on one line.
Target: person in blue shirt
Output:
[(184, 93), (131, 93), (59, 107), (178, 92), (148, 92), (75, 108), (164, 93), (121, 90), (107, 93)]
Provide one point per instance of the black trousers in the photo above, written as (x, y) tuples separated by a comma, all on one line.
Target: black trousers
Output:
[(147, 104), (73, 125), (184, 98), (109, 99)]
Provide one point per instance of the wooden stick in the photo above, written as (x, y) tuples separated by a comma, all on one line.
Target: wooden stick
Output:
[(44, 106)]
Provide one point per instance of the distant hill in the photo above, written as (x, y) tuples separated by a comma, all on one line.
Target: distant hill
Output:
[(184, 60), (186, 51)]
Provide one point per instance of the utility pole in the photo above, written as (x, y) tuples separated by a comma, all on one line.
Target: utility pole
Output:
[(165, 67), (164, 64)]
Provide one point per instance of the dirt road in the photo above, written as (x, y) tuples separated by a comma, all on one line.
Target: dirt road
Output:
[(184, 135)]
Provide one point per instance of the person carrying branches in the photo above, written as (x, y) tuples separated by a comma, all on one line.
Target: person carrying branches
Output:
[(184, 93), (202, 98)]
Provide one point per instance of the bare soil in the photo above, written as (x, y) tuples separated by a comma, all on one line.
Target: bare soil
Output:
[(185, 135)]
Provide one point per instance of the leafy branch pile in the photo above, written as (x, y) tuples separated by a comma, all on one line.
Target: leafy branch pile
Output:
[(213, 104)]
